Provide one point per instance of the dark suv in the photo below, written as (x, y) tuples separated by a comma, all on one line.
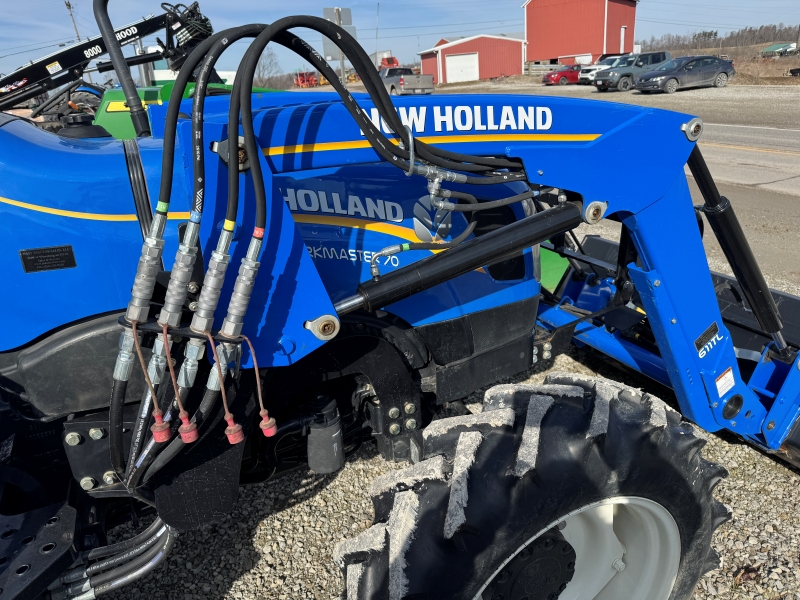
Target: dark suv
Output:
[(686, 72), (623, 76)]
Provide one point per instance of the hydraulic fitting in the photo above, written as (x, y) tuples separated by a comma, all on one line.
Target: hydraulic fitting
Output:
[(180, 277), (125, 357), (242, 291), (203, 318), (194, 351), (146, 272), (157, 367), (213, 382)]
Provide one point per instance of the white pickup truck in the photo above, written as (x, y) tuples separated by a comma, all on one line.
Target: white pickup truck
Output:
[(400, 81)]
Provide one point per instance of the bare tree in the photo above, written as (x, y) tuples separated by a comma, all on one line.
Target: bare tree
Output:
[(268, 70)]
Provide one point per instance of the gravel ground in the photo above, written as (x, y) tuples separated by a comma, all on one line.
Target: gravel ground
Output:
[(277, 543)]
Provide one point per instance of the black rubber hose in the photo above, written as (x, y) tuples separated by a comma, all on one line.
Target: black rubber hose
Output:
[(150, 452), (127, 555), (138, 115), (176, 445), (136, 569), (379, 142), (171, 119), (126, 544), (486, 205), (383, 103), (198, 106), (115, 438), (140, 429)]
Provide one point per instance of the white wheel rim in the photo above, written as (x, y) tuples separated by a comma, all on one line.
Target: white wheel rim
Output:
[(626, 547)]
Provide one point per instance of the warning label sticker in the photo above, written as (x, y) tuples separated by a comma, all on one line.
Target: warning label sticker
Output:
[(53, 68), (725, 382)]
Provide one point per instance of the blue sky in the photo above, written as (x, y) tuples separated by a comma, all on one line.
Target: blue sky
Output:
[(404, 26)]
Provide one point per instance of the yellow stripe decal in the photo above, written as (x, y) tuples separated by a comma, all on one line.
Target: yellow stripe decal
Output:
[(181, 216), (404, 233), (120, 106), (445, 139)]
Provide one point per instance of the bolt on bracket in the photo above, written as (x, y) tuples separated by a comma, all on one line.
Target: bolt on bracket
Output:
[(324, 328)]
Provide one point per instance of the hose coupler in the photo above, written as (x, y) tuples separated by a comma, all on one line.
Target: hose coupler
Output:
[(146, 272), (203, 319), (180, 277), (242, 291)]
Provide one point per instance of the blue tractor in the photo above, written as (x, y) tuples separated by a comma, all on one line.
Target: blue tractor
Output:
[(391, 257)]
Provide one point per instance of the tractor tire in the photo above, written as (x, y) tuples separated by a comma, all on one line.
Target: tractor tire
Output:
[(563, 81), (672, 86), (721, 80), (624, 84), (577, 489)]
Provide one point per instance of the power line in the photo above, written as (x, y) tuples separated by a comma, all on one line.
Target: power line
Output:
[(34, 49), (35, 44)]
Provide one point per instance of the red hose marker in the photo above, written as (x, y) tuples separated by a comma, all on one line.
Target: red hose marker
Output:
[(160, 429), (233, 431), (188, 431), (258, 233), (268, 426)]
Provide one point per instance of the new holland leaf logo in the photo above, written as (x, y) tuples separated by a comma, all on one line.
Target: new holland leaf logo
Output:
[(431, 224)]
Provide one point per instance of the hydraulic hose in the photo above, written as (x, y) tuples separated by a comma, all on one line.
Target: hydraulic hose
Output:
[(383, 103), (125, 545), (137, 568), (138, 115), (479, 206), (152, 450), (198, 106), (386, 149), (176, 445), (115, 439), (171, 120), (127, 555)]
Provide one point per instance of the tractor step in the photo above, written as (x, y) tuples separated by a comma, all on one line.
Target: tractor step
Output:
[(35, 548)]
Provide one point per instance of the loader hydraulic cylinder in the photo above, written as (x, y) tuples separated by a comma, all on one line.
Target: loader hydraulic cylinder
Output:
[(731, 238), (473, 254)]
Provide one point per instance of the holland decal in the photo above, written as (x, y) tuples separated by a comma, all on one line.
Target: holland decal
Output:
[(310, 201), (469, 118)]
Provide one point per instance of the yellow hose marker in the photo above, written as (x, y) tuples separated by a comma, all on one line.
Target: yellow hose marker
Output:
[(229, 225)]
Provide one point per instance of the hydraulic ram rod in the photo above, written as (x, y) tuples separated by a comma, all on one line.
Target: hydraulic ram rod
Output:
[(473, 254), (731, 238)]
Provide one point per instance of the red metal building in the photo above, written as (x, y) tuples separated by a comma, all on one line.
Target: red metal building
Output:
[(476, 57), (569, 31)]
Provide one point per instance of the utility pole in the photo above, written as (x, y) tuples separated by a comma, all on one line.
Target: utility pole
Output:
[(75, 25), (377, 24), (338, 12)]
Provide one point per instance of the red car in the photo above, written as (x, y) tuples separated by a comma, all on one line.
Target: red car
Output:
[(563, 75)]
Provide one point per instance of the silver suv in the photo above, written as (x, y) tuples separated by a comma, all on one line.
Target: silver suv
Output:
[(623, 75)]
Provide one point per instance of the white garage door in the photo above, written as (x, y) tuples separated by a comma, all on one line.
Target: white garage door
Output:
[(462, 67)]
